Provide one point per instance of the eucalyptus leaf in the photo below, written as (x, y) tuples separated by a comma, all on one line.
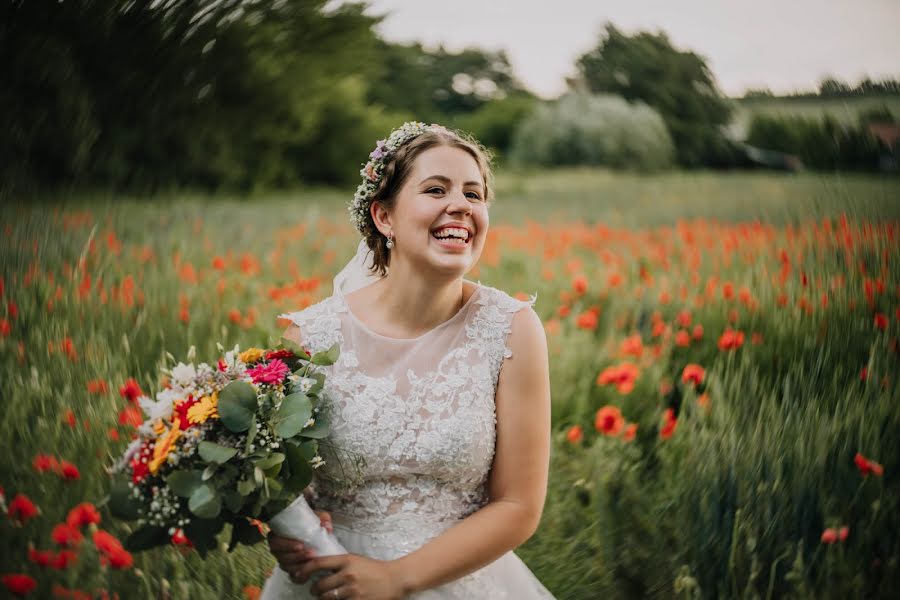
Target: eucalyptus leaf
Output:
[(233, 500), (245, 487), (205, 502), (209, 471), (215, 453), (318, 430), (301, 472), (273, 459), (237, 406), (292, 415), (251, 434), (184, 483)]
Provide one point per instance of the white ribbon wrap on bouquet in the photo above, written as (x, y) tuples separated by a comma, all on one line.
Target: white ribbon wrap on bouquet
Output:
[(300, 522)]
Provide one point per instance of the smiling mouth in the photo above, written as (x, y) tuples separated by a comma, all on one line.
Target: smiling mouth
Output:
[(452, 236)]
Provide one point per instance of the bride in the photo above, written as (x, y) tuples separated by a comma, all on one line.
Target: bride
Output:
[(442, 385)]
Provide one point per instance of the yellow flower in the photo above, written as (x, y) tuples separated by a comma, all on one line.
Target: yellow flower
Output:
[(164, 445), (158, 427), (251, 355), (206, 408)]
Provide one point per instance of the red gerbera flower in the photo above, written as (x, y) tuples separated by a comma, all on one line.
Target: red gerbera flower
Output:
[(279, 354), (270, 373)]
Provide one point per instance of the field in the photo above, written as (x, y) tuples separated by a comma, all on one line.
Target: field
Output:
[(724, 353)]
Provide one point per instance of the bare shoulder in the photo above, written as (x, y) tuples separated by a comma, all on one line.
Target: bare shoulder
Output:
[(293, 334), (528, 344)]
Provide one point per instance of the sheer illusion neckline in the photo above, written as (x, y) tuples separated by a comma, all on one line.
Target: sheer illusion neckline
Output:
[(373, 333)]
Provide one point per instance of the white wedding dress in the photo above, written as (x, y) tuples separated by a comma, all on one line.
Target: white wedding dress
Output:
[(421, 412)]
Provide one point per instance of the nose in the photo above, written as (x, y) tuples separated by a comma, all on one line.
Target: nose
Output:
[(458, 203)]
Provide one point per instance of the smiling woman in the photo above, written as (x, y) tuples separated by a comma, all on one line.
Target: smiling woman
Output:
[(442, 385)]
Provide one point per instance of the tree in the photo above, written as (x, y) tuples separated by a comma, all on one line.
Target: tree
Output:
[(678, 84)]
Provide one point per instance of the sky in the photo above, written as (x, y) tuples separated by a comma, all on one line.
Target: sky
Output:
[(784, 45)]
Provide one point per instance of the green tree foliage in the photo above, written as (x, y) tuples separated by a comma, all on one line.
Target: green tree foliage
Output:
[(583, 129), (437, 84), (678, 84), (823, 144), (495, 122), (211, 93)]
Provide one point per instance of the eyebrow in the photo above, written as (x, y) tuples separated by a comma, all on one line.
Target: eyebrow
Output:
[(447, 180)]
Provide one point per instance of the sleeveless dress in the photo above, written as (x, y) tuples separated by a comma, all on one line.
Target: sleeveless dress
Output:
[(421, 413)]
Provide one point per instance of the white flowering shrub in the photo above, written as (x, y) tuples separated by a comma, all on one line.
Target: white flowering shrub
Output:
[(585, 129)]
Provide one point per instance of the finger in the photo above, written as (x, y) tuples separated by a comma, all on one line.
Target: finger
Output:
[(331, 563), (278, 543), (294, 561), (325, 519), (326, 584)]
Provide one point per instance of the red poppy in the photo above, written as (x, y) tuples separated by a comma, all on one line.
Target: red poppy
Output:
[(252, 592), (5, 327), (97, 386), (731, 340), (131, 415), (867, 466), (105, 542), (179, 539), (41, 558), (622, 376), (69, 418), (703, 400), (580, 284), (234, 315), (83, 514), (632, 346), (574, 434), (587, 320), (609, 420), (684, 318), (843, 533), (630, 432), (119, 559), (63, 559), (881, 321), (697, 333), (131, 390), (44, 462), (693, 373), (66, 536), (68, 471), (829, 536), (22, 509), (19, 584), (668, 427), (113, 434), (682, 339)]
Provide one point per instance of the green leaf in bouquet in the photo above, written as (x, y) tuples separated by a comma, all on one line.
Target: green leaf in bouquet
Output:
[(301, 471), (276, 458), (205, 502), (292, 415), (146, 537), (244, 532), (234, 500), (259, 477), (237, 406), (202, 533), (184, 483), (245, 487), (122, 503), (272, 489), (215, 453), (294, 347), (326, 357), (317, 430), (209, 471)]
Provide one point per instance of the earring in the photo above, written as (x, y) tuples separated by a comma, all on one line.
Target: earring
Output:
[(390, 241)]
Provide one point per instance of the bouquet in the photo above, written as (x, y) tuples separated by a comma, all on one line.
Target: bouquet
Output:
[(231, 444)]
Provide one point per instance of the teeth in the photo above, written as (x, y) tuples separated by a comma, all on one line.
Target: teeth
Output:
[(455, 232)]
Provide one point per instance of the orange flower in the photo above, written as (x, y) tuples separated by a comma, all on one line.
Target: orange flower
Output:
[(684, 318), (630, 432), (69, 418), (693, 373), (97, 386), (697, 334), (252, 592), (703, 400), (622, 376), (574, 434), (609, 420), (131, 415), (682, 338), (580, 284)]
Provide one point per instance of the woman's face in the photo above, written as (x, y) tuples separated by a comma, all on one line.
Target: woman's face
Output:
[(440, 217)]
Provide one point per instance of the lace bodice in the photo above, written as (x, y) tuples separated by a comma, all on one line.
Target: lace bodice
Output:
[(421, 412)]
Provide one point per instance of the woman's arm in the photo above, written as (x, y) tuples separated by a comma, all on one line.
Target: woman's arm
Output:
[(517, 482)]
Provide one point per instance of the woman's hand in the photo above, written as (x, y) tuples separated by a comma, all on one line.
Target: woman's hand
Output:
[(353, 577), (293, 554)]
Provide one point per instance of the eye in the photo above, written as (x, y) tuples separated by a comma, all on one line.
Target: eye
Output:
[(432, 190), (474, 195)]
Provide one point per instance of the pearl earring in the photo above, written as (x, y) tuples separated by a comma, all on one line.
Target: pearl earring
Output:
[(390, 241)]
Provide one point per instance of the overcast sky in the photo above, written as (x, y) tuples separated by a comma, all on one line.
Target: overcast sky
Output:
[(780, 44)]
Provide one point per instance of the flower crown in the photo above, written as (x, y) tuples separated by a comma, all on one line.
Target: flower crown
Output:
[(373, 171)]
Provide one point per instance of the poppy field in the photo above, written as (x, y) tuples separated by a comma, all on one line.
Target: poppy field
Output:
[(724, 356)]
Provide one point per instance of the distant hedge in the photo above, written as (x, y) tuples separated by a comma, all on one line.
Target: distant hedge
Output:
[(585, 129)]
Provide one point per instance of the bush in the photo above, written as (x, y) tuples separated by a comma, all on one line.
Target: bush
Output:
[(585, 129), (495, 123)]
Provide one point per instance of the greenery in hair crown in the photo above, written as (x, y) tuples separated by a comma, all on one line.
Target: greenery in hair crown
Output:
[(373, 171)]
